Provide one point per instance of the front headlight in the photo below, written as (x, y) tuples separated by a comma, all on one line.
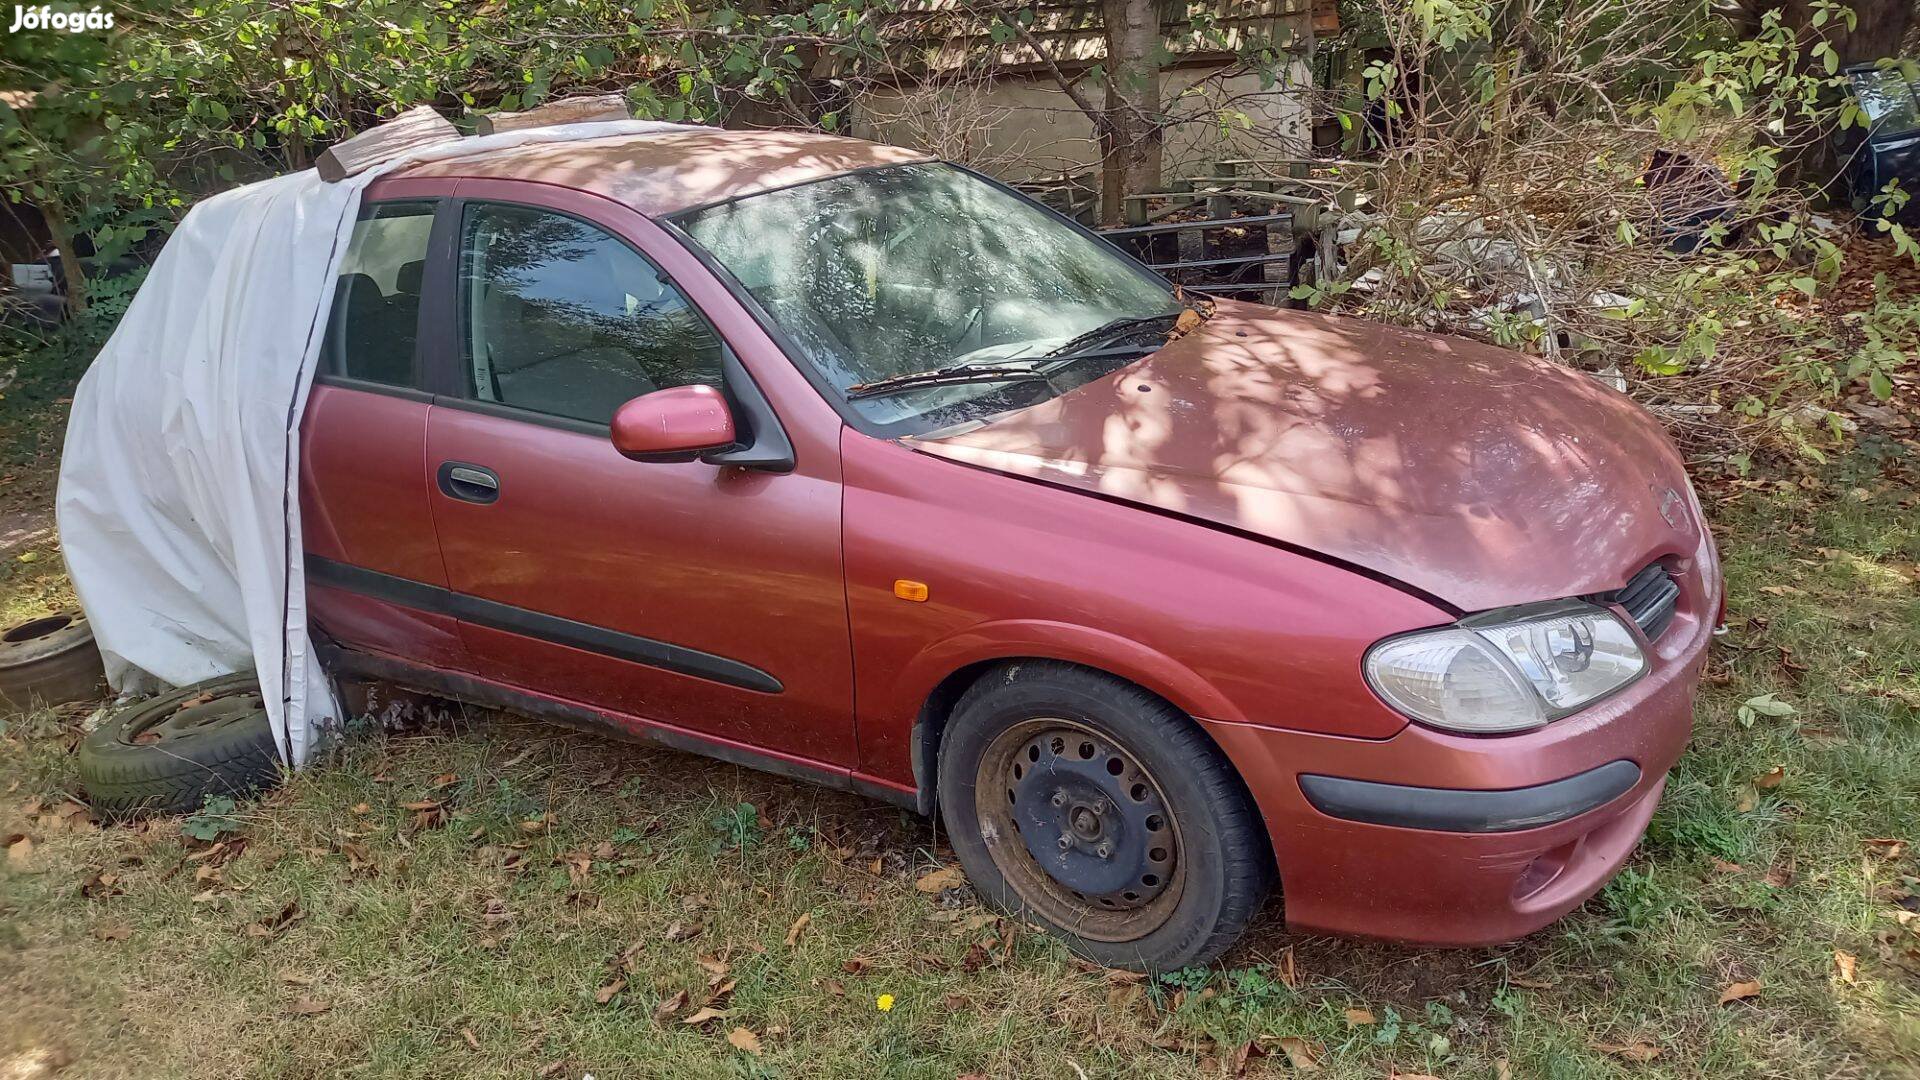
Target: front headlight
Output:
[(1507, 670)]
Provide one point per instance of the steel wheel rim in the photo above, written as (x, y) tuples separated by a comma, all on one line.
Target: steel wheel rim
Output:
[(33, 629), (1048, 847), (185, 721)]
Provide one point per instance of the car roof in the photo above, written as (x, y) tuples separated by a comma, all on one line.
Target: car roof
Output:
[(663, 172)]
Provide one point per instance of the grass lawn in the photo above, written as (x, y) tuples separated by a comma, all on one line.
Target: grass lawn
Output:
[(488, 896)]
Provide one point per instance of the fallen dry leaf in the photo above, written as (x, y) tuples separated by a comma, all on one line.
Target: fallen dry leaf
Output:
[(706, 1015), (742, 1039), (975, 959), (1360, 1017), (679, 931), (467, 1035), (579, 865), (610, 991), (1740, 991), (669, 1005), (1771, 778), (99, 885), (1638, 1050), (937, 881), (799, 927), (1886, 848), (1748, 800), (1301, 1054), (121, 932), (272, 925), (306, 1006), (19, 852), (495, 913), (834, 987), (1846, 965)]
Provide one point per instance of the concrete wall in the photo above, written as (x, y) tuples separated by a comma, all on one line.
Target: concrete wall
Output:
[(1021, 127)]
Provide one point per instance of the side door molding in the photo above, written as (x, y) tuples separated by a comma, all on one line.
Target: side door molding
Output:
[(517, 620)]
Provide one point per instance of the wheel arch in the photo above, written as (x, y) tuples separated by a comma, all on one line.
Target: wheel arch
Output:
[(931, 683), (930, 724)]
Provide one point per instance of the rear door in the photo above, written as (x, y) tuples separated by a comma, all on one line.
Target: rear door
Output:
[(365, 519), (704, 597)]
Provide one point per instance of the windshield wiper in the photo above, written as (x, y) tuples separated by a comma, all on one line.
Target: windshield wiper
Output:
[(1112, 328), (952, 375), (1039, 369)]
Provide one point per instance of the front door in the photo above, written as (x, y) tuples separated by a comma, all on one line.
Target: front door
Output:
[(703, 597)]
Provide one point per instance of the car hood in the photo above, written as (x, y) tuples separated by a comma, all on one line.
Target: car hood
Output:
[(1476, 475)]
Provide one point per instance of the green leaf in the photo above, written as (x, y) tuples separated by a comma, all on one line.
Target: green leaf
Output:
[(1805, 284), (1660, 360), (1881, 386)]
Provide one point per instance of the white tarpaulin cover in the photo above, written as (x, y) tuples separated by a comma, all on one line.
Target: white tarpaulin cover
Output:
[(179, 506)]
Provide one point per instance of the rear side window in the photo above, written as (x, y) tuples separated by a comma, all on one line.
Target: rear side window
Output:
[(563, 318), (375, 321)]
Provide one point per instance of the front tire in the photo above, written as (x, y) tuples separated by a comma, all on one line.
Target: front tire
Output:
[(1087, 805)]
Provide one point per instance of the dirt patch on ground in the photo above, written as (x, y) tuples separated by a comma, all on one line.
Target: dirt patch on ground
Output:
[(25, 530)]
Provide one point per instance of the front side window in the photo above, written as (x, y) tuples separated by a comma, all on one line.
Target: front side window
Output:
[(563, 318), (375, 319), (914, 268)]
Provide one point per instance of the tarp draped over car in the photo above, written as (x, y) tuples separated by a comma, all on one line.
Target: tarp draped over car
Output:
[(179, 506)]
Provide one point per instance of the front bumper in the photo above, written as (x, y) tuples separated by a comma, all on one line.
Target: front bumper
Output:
[(1462, 840)]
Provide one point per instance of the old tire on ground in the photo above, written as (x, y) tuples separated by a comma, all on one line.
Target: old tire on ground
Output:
[(168, 754), (1088, 805), (50, 660)]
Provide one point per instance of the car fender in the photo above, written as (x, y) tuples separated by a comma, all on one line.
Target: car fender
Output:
[(1042, 639)]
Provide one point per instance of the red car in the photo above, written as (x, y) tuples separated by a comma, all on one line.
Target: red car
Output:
[(838, 461)]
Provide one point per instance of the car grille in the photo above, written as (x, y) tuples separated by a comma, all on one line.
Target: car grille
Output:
[(1649, 597)]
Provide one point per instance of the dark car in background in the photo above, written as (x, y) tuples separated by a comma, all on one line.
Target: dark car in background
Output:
[(1888, 97)]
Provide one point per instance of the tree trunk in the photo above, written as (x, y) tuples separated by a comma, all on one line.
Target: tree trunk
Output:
[(1879, 29), (1131, 140), (70, 266)]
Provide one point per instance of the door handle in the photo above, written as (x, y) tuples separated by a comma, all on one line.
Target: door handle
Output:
[(469, 483)]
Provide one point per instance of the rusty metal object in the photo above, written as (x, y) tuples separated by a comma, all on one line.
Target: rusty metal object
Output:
[(1080, 829), (50, 660)]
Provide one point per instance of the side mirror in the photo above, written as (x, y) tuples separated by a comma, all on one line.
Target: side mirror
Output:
[(675, 424)]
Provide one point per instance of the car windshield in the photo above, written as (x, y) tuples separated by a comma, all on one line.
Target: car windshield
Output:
[(910, 269)]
